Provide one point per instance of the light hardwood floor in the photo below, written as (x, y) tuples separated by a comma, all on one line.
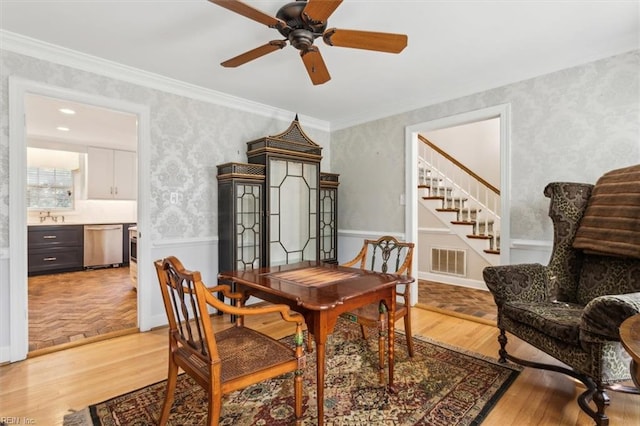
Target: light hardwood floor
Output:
[(45, 388)]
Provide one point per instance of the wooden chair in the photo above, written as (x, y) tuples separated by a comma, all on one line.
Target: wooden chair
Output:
[(226, 360), (386, 254)]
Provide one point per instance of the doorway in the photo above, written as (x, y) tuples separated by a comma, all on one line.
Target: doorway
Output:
[(72, 149), (19, 90), (502, 112)]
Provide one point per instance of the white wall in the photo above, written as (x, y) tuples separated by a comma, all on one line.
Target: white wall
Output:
[(475, 145)]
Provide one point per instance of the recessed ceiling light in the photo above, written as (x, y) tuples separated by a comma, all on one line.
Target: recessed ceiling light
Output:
[(62, 128), (67, 111)]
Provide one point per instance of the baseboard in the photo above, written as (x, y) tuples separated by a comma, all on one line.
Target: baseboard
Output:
[(5, 355), (453, 280)]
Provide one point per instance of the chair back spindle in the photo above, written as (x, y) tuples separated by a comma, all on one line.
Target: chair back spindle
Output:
[(392, 256), (185, 319)]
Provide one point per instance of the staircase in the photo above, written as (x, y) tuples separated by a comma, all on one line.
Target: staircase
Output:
[(464, 202)]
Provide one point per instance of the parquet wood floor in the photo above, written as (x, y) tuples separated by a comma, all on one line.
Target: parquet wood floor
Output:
[(71, 307), (468, 303)]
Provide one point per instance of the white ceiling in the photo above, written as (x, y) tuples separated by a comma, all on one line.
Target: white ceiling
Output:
[(455, 47), (89, 125)]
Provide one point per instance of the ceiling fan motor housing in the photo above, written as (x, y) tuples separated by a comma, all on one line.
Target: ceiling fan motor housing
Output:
[(300, 31)]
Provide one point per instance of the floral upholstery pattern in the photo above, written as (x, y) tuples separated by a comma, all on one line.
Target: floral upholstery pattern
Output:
[(558, 320), (603, 315), (571, 308), (602, 275)]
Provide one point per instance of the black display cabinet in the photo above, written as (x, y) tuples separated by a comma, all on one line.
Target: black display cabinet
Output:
[(278, 208)]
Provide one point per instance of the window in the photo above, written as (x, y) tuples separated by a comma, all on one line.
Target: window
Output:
[(49, 188)]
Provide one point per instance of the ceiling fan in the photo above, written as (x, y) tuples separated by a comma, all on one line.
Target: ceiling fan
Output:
[(301, 22)]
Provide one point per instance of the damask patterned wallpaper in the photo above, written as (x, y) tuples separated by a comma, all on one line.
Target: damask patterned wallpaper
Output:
[(188, 137), (571, 125)]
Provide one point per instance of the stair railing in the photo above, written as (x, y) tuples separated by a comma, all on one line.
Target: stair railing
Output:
[(461, 188)]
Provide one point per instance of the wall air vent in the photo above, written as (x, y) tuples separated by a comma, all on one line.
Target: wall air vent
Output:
[(449, 261)]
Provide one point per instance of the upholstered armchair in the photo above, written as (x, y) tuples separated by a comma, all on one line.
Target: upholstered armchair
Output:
[(572, 308)]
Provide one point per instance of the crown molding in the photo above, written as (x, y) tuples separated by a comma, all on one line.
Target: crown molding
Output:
[(60, 55)]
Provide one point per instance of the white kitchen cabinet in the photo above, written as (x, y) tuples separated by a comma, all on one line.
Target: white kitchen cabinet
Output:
[(112, 174)]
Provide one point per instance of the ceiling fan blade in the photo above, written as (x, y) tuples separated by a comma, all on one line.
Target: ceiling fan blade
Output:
[(368, 40), (320, 10), (250, 12), (272, 46), (314, 63)]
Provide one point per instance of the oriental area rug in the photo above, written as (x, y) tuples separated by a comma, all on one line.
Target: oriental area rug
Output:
[(440, 385)]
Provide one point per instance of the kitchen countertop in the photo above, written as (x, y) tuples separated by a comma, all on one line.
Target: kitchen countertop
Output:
[(69, 222)]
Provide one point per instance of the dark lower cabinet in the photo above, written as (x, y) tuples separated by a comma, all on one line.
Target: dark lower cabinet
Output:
[(55, 248)]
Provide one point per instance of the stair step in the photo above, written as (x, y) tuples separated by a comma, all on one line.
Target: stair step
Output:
[(480, 237), (452, 209), (470, 222)]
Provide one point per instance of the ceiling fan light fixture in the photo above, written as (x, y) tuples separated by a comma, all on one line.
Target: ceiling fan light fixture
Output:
[(301, 39)]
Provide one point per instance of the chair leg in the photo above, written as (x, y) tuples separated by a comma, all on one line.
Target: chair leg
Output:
[(382, 331), (215, 407), (363, 329), (502, 352), (297, 386), (602, 401), (309, 344), (408, 333), (172, 378), (593, 392)]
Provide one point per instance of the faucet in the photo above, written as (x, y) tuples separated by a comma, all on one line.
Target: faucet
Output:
[(44, 217)]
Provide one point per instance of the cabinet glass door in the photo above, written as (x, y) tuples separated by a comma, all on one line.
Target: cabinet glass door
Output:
[(328, 232), (293, 211), (248, 228)]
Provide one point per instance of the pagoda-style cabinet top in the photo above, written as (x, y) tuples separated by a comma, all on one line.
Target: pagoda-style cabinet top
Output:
[(291, 142)]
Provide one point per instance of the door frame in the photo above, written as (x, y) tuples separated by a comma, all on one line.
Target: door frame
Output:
[(18, 290), (503, 112)]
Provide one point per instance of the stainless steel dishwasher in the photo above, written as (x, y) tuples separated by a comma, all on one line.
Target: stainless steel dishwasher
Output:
[(102, 245)]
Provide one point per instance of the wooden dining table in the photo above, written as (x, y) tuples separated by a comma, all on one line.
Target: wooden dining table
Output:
[(321, 292)]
